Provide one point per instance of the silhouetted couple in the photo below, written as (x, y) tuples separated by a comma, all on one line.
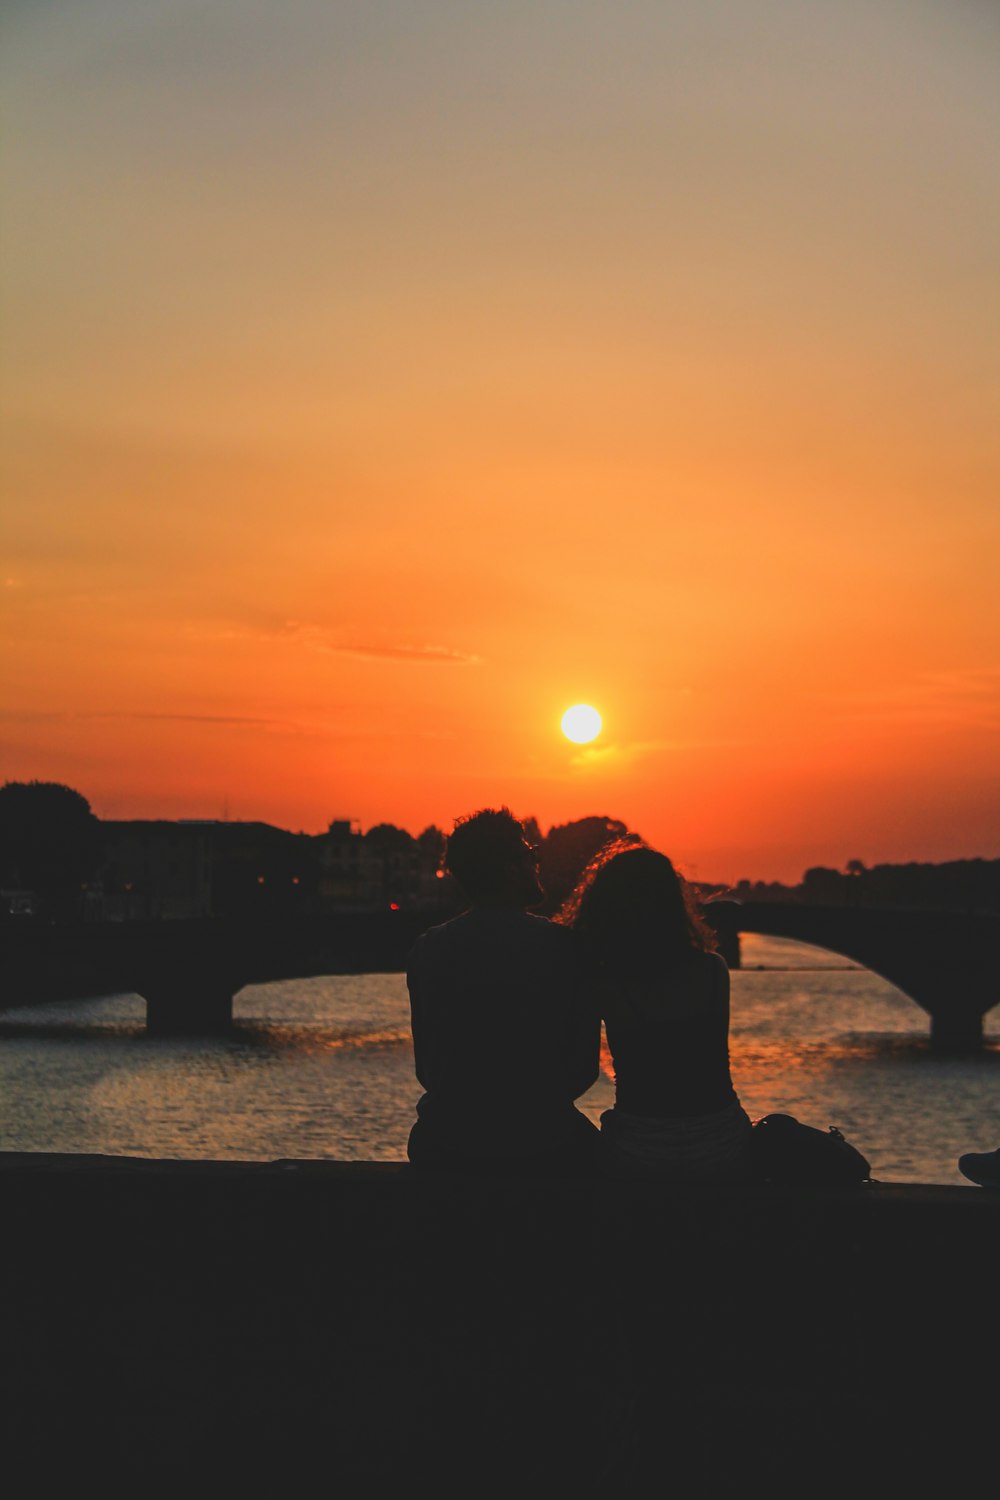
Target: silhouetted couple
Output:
[(506, 1011)]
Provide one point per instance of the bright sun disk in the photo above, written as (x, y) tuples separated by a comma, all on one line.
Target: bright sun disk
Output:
[(581, 723)]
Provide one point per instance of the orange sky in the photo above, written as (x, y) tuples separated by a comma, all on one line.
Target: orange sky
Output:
[(380, 379)]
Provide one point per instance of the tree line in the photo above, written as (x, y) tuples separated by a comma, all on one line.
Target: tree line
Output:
[(51, 844)]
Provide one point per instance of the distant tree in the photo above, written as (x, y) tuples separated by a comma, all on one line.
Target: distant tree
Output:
[(854, 870), (48, 837), (431, 844), (386, 839), (823, 886), (532, 832), (568, 849)]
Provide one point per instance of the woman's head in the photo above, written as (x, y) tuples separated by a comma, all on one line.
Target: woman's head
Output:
[(634, 910)]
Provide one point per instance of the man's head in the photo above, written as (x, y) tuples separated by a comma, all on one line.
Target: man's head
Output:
[(492, 860)]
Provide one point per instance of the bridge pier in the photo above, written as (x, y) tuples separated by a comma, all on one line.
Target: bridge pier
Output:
[(956, 1031), (188, 977), (190, 1009), (729, 947)]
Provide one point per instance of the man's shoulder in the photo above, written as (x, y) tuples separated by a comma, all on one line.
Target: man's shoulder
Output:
[(542, 930), (441, 936), (428, 939), (549, 943), (441, 931), (552, 932), (482, 925)]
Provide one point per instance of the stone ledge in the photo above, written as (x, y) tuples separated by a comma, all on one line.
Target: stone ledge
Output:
[(875, 1196), (249, 1319)]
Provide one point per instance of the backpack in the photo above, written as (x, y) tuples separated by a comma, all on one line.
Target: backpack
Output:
[(783, 1150)]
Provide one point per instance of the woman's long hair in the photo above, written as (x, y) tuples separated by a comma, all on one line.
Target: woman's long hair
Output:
[(635, 913)]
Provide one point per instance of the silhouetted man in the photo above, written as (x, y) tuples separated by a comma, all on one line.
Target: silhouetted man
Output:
[(504, 1038)]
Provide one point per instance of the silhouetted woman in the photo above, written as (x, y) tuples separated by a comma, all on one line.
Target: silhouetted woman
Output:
[(664, 996)]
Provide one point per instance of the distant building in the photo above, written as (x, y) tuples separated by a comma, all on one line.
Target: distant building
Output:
[(162, 870), (153, 870), (350, 875), (384, 867), (18, 904)]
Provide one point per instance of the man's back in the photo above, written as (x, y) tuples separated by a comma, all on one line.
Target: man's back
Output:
[(504, 1037)]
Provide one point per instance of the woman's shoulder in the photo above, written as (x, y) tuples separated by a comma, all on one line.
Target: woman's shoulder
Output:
[(703, 963), (701, 980)]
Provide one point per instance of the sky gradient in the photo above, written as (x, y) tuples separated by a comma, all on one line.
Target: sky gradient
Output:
[(379, 379)]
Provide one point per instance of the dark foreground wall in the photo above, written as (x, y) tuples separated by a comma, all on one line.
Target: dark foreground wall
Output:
[(352, 1329)]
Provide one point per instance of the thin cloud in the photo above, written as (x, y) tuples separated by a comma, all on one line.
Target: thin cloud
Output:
[(238, 720), (327, 641), (595, 755), (328, 732), (69, 716), (316, 638), (409, 653)]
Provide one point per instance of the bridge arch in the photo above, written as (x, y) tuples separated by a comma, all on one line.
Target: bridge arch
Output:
[(188, 972), (945, 962)]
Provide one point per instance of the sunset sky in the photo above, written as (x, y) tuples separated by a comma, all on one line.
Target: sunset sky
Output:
[(381, 377)]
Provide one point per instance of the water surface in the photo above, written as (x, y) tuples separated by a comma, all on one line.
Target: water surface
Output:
[(323, 1068)]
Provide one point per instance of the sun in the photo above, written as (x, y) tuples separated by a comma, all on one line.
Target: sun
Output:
[(581, 723)]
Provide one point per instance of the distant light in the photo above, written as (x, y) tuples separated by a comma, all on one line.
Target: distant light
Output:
[(295, 880), (394, 906), (260, 880), (439, 874)]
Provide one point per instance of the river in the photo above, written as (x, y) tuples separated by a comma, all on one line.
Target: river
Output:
[(324, 1068)]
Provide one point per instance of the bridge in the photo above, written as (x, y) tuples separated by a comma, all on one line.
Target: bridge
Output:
[(188, 972), (945, 961)]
